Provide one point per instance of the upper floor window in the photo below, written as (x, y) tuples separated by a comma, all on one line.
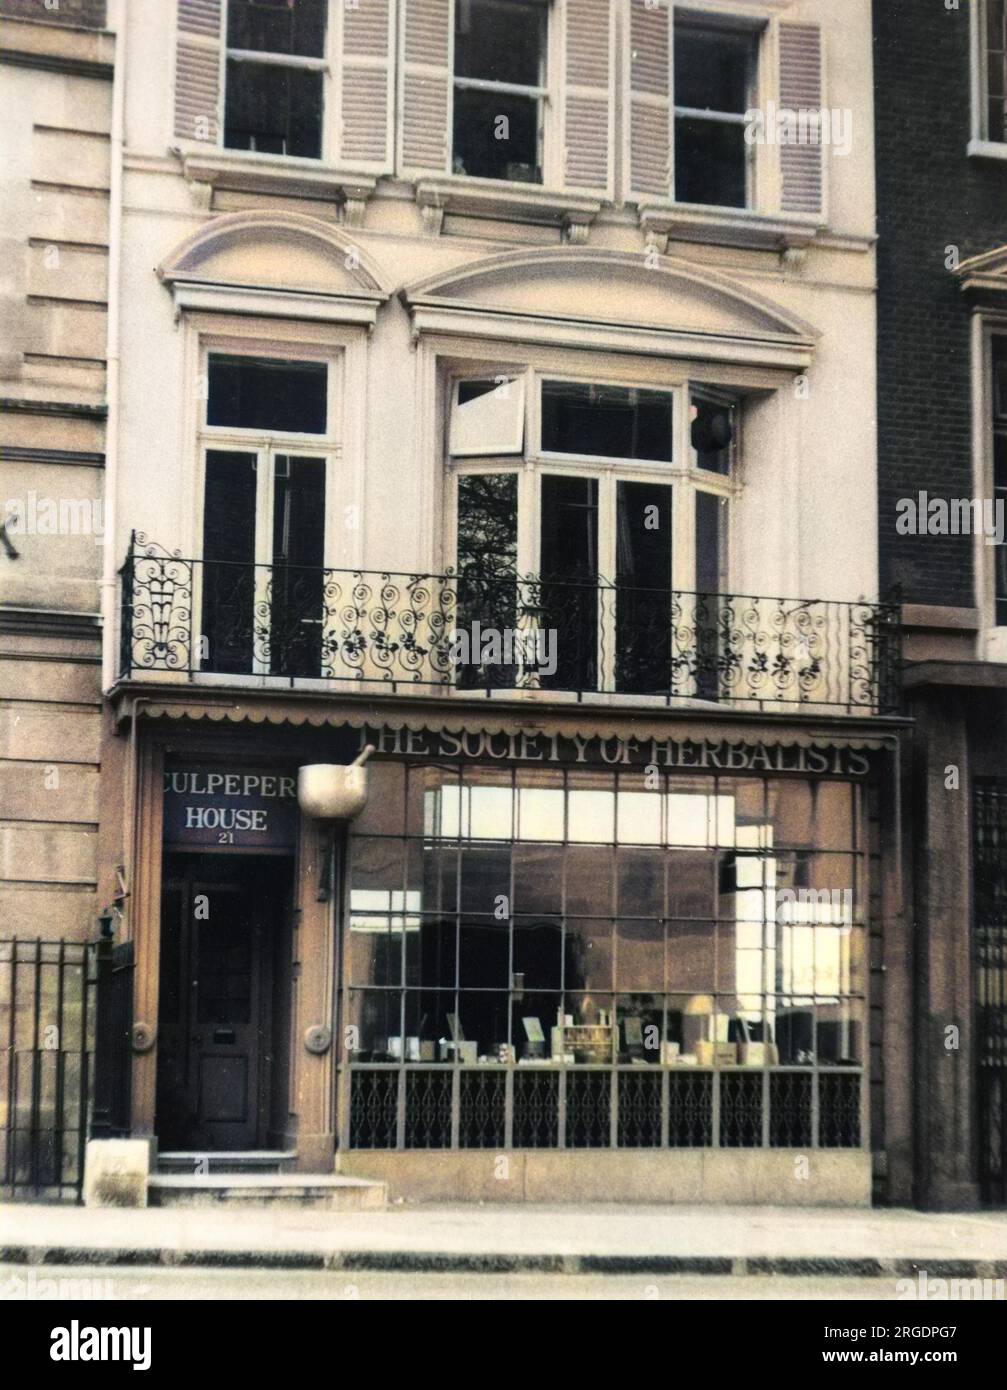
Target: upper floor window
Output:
[(266, 451), (994, 76), (609, 528), (499, 89), (642, 102), (714, 82), (275, 66)]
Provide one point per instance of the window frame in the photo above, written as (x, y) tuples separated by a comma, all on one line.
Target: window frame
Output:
[(997, 429), (986, 327), (549, 96), (981, 145), (684, 478), (756, 28), (266, 445), (511, 449), (327, 65)]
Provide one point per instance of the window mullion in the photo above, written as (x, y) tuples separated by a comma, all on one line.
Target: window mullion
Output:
[(264, 474), (608, 524), (485, 84), (705, 113), (279, 60), (683, 544)]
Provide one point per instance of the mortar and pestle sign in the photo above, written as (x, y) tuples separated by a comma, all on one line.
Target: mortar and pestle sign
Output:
[(331, 793)]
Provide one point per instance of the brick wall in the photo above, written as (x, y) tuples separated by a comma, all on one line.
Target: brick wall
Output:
[(930, 196), (88, 14)]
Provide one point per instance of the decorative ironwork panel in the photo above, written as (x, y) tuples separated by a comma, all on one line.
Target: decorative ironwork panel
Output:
[(387, 627), (536, 1108), (428, 1109), (790, 1096), (481, 1105), (157, 609), (838, 1110), (740, 1110), (640, 1109), (373, 1108), (690, 1109), (989, 949), (588, 1109)]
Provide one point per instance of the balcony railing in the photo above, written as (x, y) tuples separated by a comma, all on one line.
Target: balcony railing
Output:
[(482, 632)]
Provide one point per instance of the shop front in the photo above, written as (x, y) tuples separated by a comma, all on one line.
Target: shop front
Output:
[(624, 964), (626, 957)]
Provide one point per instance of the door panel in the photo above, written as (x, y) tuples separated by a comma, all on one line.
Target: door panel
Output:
[(215, 1025)]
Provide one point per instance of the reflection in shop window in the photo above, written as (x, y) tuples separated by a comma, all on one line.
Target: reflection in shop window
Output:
[(541, 812), (591, 816), (401, 907), (639, 818)]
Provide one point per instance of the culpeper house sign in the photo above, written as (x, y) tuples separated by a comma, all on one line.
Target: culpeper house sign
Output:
[(222, 807)]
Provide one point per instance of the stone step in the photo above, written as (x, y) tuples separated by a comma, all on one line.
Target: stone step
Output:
[(323, 1191), (197, 1164)]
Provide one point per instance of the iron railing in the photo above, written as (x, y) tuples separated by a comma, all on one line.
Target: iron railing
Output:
[(592, 1107), (989, 952), (47, 1037), (65, 1062), (479, 631)]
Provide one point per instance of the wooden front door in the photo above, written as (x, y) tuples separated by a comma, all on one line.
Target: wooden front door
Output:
[(219, 923)]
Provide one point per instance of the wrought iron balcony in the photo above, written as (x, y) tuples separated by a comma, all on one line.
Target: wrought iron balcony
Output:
[(495, 632)]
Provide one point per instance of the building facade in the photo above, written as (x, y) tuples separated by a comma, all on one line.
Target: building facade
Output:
[(56, 210), (481, 364), (942, 353)]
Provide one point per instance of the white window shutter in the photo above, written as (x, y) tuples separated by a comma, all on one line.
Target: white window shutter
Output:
[(197, 70), (426, 87), (801, 174), (588, 96), (366, 101), (649, 135)]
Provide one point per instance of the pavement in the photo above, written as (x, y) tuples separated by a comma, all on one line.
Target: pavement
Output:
[(569, 1239)]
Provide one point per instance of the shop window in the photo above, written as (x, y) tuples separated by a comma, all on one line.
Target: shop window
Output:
[(595, 952), (499, 89), (714, 76), (275, 66)]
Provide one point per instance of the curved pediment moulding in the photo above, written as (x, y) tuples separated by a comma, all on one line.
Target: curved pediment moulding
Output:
[(272, 258), (618, 298)]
